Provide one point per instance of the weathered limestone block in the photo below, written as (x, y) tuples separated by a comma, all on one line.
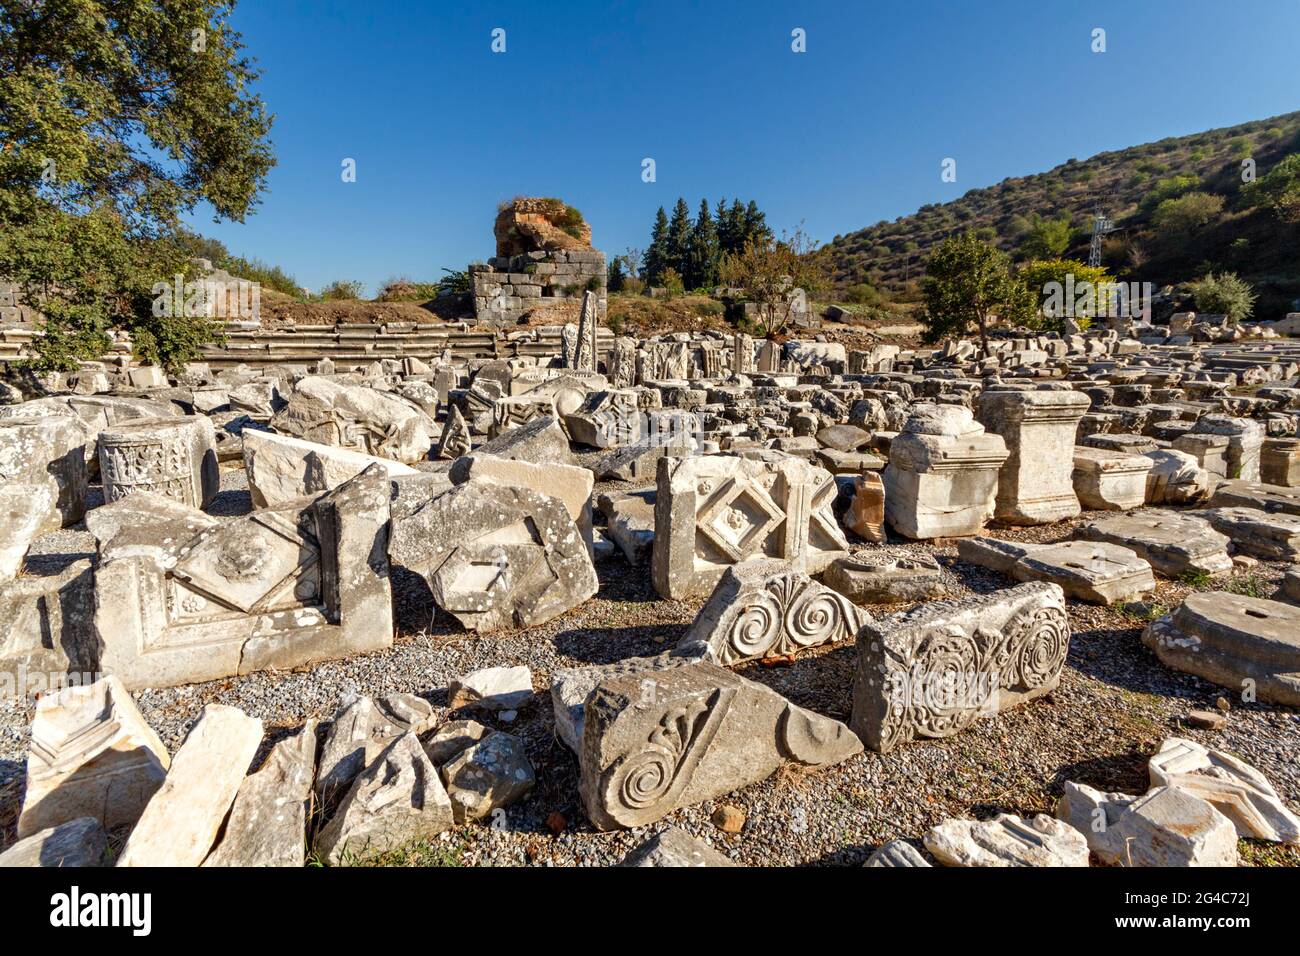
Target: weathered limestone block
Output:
[(492, 688), (932, 671), (280, 587), (540, 441), (487, 776), (24, 511), (456, 439), (1251, 494), (1092, 571), (1230, 639), (674, 847), (397, 799), (608, 419), (1110, 480), (571, 686), (1210, 451), (569, 483), (1172, 542), (452, 738), (363, 419), (659, 740), (1245, 438), (282, 469), (1279, 462), (267, 825), (763, 609), (1175, 478), (886, 576), (1165, 827), (1272, 537), (91, 754), (942, 477), (47, 455), (1007, 840), (1234, 788), (630, 523), (512, 411), (715, 511), (47, 630), (173, 457), (1035, 483), (77, 843), (496, 556), (866, 514), (361, 731), (181, 822)]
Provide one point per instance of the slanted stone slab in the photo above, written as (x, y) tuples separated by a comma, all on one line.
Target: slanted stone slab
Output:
[(571, 484), (1165, 827), (675, 847), (267, 825), (282, 469), (91, 754), (361, 731), (1173, 543), (1232, 786), (496, 556), (699, 731), (896, 853), (932, 671), (79, 842), (181, 822), (398, 799), (1252, 494), (1092, 571), (1110, 480), (1034, 482), (1007, 840), (540, 441), (1272, 537), (886, 576), (762, 609), (492, 688), (1240, 642)]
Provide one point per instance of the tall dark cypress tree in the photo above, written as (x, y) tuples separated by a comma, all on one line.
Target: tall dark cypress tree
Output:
[(702, 257), (736, 226), (678, 241), (656, 256), (756, 224)]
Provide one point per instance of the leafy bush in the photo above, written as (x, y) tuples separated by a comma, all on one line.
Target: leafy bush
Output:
[(1278, 189), (1174, 219), (1224, 294), (1040, 276), (341, 289)]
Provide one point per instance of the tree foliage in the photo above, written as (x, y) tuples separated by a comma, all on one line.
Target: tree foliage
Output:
[(1047, 279), (767, 270), (1278, 190), (1224, 294), (117, 118), (967, 284)]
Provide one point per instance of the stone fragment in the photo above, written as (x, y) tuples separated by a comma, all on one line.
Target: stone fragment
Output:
[(1035, 483), (713, 511), (658, 740), (540, 441), (1110, 480), (1245, 438), (79, 842), (1173, 543), (728, 818), (1007, 840), (630, 523), (453, 737), (47, 631), (675, 847), (24, 512), (886, 576), (1236, 789), (362, 730), (456, 440), (363, 419), (571, 686), (1239, 642), (1270, 537), (496, 556), (1165, 827), (1175, 478), (488, 776), (267, 825), (1250, 494), (762, 609), (282, 469), (866, 514), (932, 671), (44, 455), (172, 457), (1092, 571), (398, 799), (896, 853), (492, 688), (569, 483), (1279, 462), (91, 754), (182, 820), (942, 478)]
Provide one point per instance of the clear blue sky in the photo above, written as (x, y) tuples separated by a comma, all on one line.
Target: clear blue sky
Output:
[(851, 132)]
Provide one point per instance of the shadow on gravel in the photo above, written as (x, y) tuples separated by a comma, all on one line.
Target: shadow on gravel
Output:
[(822, 683), (608, 645), (1123, 773), (12, 777)]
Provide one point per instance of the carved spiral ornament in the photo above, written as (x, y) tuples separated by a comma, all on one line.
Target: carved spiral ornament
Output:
[(947, 686), (815, 617), (645, 777), (757, 627), (1044, 648)]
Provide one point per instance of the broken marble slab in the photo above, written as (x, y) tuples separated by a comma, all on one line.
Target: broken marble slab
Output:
[(1092, 571), (886, 576), (1173, 543), (1007, 840), (540, 441), (569, 483), (492, 688), (762, 609), (1175, 478), (362, 729), (1235, 788), (630, 523), (1164, 827), (675, 847), (934, 670), (282, 469), (47, 452), (1248, 644), (488, 776), (1108, 480), (896, 853), (398, 799), (91, 754), (495, 556), (865, 516), (267, 825), (79, 842), (182, 820), (656, 741), (1274, 499), (1271, 537), (358, 417), (47, 631)]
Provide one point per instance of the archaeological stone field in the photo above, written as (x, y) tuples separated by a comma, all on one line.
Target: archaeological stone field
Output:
[(492, 592)]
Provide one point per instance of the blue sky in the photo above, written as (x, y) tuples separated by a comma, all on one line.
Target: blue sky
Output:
[(850, 132)]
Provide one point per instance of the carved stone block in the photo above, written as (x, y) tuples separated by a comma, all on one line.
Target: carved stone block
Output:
[(172, 457)]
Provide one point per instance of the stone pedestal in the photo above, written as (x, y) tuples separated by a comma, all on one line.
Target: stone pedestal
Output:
[(1035, 483), (943, 474), (1110, 480), (174, 457), (1245, 438), (1279, 462)]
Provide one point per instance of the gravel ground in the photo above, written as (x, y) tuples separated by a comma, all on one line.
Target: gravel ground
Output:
[(1115, 704)]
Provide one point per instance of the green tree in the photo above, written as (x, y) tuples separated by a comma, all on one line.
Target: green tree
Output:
[(756, 224), (1176, 219), (678, 240), (702, 251), (1278, 190), (1061, 287), (767, 270), (1224, 294), (616, 277), (116, 118), (1046, 238), (656, 254), (967, 284)]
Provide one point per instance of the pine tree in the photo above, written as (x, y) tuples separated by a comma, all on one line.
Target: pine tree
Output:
[(702, 257), (678, 241), (735, 227), (656, 256), (755, 224)]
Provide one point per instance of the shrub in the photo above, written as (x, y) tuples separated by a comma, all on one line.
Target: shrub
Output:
[(341, 289), (1224, 294), (1174, 219)]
